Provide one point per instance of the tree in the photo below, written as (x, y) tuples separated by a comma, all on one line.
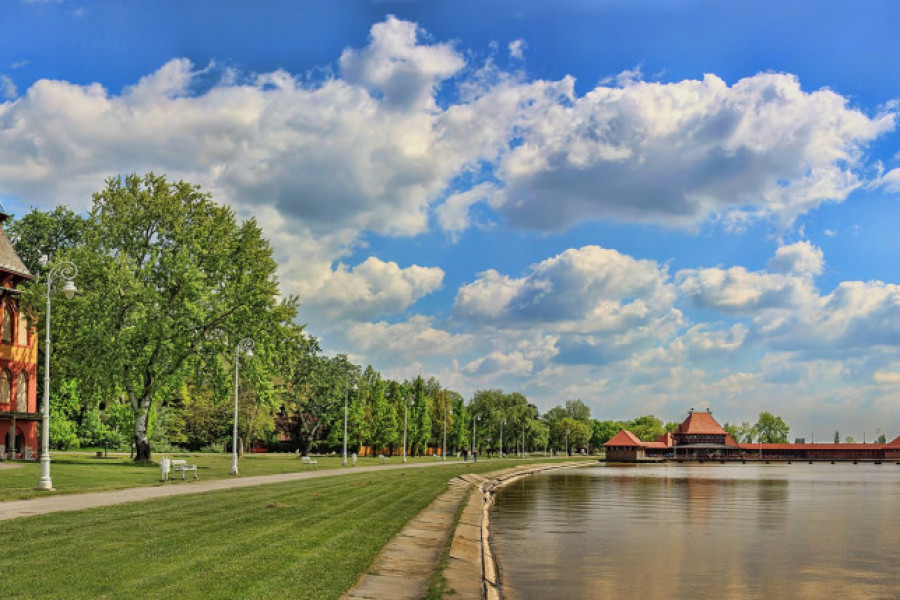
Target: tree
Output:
[(162, 269), (39, 236), (772, 429), (837, 437), (647, 428), (603, 431)]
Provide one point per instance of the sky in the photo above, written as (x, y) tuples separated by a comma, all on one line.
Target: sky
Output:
[(650, 206)]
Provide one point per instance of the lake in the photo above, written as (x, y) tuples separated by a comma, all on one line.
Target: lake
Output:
[(701, 531)]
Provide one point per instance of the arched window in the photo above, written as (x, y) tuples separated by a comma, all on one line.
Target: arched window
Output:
[(22, 392), (5, 380), (22, 329), (6, 328)]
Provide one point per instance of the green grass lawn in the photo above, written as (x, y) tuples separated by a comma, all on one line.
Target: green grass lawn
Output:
[(83, 472), (304, 539)]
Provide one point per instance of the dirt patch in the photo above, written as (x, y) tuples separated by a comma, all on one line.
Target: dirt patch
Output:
[(10, 465)]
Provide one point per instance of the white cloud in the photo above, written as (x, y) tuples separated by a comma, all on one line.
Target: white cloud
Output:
[(678, 153), (801, 258), (397, 67), (737, 291), (374, 288), (590, 289), (412, 340), (8, 89), (517, 49)]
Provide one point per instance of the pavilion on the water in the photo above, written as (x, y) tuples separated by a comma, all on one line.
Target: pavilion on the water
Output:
[(700, 437)]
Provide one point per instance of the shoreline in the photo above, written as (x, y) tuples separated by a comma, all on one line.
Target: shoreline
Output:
[(471, 548)]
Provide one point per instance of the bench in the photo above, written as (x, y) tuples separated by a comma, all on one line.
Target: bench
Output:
[(309, 463), (183, 466), (384, 459), (436, 456)]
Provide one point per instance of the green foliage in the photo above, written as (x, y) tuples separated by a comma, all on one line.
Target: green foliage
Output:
[(771, 429), (161, 268), (39, 236)]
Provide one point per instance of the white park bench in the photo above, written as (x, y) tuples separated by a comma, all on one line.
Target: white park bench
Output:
[(182, 465), (384, 459), (309, 463)]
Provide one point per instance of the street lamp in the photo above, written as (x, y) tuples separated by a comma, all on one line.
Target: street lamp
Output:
[(66, 271), (446, 417), (405, 423), (475, 419), (245, 346), (502, 421), (346, 394)]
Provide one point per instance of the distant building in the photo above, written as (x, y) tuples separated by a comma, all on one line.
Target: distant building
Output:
[(700, 437), (18, 359)]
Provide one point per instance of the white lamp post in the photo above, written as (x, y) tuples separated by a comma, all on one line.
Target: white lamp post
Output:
[(502, 422), (446, 416), (245, 346), (475, 418), (67, 271), (346, 394), (405, 423)]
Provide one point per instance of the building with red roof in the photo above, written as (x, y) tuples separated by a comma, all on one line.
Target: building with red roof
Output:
[(18, 359), (700, 437)]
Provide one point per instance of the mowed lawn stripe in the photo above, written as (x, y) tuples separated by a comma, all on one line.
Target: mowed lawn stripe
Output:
[(316, 539)]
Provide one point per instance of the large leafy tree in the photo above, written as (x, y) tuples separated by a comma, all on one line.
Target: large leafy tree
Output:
[(165, 273), (772, 429)]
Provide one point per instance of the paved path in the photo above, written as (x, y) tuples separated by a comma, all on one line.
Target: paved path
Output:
[(14, 509)]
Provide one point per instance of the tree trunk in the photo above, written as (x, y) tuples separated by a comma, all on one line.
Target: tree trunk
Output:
[(141, 441)]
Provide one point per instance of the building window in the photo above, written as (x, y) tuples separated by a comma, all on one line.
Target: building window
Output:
[(22, 392), (6, 328), (5, 380), (22, 329)]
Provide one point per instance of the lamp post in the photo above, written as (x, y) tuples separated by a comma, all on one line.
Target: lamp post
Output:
[(405, 423), (346, 394), (245, 346), (502, 421), (67, 271), (446, 417), (475, 419)]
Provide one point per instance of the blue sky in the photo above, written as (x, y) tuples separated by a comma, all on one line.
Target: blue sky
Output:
[(650, 206)]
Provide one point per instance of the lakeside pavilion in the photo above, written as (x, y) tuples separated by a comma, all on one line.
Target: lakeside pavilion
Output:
[(700, 437), (18, 359)]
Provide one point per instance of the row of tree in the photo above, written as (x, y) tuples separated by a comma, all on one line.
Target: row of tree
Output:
[(170, 284)]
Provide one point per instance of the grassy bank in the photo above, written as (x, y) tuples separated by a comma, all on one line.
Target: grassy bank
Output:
[(81, 472), (305, 539)]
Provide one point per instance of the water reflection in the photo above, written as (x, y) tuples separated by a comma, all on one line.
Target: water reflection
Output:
[(680, 531)]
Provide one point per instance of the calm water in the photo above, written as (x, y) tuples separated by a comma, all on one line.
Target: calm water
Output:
[(743, 531)]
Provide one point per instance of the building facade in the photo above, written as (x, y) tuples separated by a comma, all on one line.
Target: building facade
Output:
[(18, 360), (700, 437)]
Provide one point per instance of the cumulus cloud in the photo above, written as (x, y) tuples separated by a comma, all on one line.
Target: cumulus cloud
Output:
[(737, 291), (678, 153), (412, 340), (801, 258), (590, 289), (374, 288), (396, 67)]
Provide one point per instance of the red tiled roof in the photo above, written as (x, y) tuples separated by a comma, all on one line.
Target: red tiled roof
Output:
[(667, 439), (624, 438), (729, 441), (821, 446), (700, 423), (894, 443)]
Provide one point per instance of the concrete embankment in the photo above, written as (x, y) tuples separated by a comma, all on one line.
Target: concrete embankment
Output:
[(471, 570)]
